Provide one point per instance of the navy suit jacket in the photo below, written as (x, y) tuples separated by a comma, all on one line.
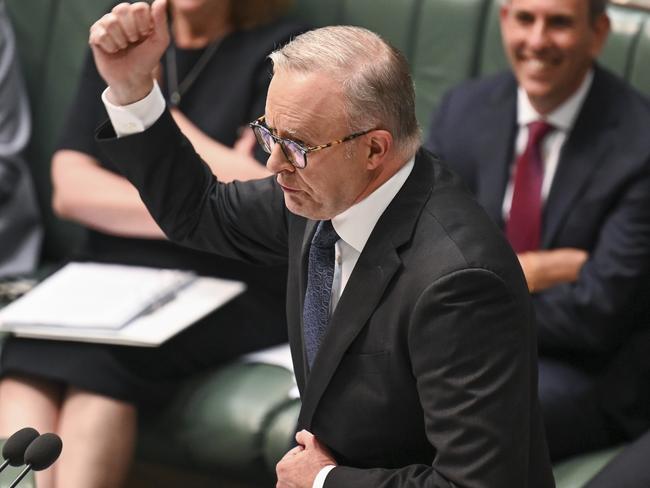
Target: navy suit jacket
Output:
[(427, 374), (599, 201)]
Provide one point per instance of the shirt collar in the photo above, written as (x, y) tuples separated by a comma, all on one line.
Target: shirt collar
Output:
[(357, 222), (562, 117)]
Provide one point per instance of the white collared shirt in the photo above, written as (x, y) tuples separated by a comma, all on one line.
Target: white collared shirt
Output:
[(562, 119), (355, 225)]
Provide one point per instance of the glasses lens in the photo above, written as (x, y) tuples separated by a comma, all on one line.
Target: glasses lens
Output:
[(294, 154), (264, 138), (291, 150)]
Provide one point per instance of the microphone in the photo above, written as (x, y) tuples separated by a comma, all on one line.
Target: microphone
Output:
[(13, 450), (40, 455)]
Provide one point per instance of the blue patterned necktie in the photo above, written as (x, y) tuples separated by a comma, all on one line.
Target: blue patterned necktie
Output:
[(320, 274)]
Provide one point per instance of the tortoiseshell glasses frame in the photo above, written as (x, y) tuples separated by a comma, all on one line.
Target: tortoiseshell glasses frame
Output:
[(294, 151)]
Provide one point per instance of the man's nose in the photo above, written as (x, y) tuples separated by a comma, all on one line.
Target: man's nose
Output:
[(278, 162), (537, 37)]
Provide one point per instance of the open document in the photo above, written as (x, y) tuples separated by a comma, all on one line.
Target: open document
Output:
[(116, 304)]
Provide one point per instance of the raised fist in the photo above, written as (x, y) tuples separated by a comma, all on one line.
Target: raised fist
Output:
[(127, 45)]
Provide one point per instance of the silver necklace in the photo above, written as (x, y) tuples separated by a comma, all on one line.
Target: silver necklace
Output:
[(176, 89)]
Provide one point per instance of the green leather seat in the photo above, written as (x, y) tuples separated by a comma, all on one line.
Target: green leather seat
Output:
[(276, 442), (640, 69), (52, 39), (318, 13), (575, 472), (445, 49), (491, 56), (619, 51), (218, 422)]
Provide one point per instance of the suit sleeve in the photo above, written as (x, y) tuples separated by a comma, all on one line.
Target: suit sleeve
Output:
[(472, 350), (239, 220), (586, 315)]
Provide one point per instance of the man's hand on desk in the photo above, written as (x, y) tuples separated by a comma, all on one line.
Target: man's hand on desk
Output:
[(299, 467), (545, 269), (127, 44)]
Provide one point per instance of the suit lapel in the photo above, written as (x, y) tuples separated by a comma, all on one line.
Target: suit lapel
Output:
[(580, 158), (494, 157), (373, 272)]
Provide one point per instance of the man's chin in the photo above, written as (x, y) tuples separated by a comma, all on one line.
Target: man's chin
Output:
[(537, 90), (295, 206), (311, 212)]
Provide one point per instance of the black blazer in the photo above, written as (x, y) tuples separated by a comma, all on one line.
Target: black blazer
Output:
[(599, 201), (428, 368)]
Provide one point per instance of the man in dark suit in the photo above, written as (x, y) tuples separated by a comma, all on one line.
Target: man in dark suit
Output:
[(409, 319), (573, 199)]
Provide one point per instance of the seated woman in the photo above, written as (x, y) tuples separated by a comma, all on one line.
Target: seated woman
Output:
[(215, 74)]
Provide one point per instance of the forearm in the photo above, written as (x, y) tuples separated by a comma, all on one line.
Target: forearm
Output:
[(546, 269), (96, 198)]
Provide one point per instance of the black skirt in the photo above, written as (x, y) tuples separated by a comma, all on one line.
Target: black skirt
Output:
[(147, 376)]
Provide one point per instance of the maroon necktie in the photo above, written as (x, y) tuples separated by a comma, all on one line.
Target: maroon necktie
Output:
[(524, 226)]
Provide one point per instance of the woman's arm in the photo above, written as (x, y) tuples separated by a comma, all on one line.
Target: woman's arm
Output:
[(86, 193)]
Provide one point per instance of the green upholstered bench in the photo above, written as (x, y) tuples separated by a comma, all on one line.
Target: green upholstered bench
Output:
[(575, 472), (237, 421)]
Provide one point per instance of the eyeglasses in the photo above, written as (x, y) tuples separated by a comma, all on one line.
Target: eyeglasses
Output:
[(295, 152)]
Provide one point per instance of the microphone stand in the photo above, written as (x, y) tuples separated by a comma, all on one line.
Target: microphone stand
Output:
[(21, 476)]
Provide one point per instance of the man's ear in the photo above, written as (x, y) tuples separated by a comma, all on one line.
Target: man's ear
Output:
[(504, 10), (601, 27), (379, 144)]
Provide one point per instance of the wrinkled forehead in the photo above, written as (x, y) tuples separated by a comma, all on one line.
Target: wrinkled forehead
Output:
[(304, 103)]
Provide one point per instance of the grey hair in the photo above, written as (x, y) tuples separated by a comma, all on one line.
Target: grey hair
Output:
[(596, 7), (374, 75)]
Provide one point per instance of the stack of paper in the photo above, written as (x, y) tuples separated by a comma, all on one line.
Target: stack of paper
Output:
[(115, 304), (98, 296)]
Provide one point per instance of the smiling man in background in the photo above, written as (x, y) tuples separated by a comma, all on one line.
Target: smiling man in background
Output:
[(557, 152)]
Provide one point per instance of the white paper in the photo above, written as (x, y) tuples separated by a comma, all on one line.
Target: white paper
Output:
[(191, 304), (96, 296), (171, 314)]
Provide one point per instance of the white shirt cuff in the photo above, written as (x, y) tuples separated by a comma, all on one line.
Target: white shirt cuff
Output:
[(319, 481), (135, 117)]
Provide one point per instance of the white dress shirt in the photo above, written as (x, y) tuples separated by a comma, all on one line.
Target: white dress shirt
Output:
[(353, 226), (562, 120)]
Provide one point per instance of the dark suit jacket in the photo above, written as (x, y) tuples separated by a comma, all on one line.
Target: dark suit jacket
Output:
[(599, 201), (428, 369)]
